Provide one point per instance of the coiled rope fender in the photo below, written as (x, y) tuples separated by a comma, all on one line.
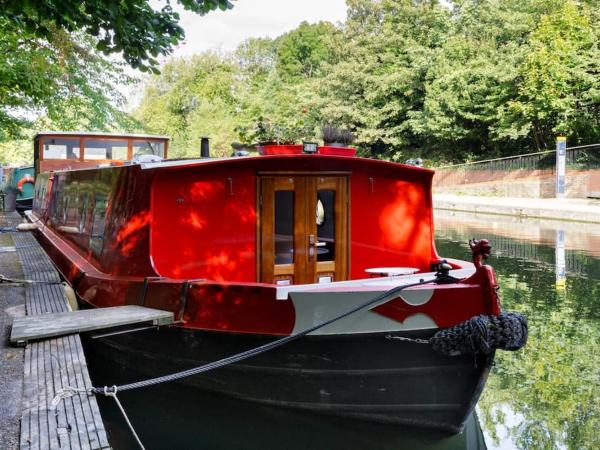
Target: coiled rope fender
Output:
[(482, 335)]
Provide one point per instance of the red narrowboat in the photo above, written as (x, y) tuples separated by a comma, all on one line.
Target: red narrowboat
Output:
[(245, 250)]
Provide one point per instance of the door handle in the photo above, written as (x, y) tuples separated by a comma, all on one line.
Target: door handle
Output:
[(311, 246)]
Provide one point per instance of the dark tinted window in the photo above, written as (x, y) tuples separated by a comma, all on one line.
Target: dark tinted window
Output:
[(284, 227), (326, 225)]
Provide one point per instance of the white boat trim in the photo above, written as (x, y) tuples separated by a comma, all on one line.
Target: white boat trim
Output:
[(377, 285)]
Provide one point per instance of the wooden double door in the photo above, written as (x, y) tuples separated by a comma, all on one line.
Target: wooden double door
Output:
[(303, 229)]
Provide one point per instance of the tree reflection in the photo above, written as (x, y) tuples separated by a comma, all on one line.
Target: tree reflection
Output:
[(546, 396)]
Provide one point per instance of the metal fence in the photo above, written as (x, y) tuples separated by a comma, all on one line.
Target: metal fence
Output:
[(582, 157)]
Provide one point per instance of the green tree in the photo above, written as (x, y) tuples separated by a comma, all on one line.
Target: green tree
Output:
[(302, 52), (192, 97), (385, 54), (131, 27), (280, 94), (256, 58), (559, 89), (466, 81), (63, 81)]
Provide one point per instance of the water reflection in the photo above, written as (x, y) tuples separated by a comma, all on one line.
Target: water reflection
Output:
[(548, 395)]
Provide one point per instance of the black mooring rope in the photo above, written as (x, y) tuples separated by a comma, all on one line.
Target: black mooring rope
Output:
[(254, 351)]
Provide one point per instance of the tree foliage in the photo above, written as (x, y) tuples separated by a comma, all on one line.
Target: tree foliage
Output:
[(421, 78), (61, 82), (303, 51), (55, 72), (192, 98), (131, 27)]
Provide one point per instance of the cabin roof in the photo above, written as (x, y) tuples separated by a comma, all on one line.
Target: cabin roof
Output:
[(100, 133), (226, 160), (188, 161)]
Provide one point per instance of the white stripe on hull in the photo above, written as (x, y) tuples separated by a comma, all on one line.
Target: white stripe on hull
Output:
[(313, 308)]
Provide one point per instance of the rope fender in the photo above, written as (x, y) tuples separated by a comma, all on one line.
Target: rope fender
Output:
[(482, 335)]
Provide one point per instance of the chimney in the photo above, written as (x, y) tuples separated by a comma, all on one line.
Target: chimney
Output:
[(204, 148)]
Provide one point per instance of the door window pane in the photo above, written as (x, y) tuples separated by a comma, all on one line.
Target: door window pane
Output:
[(325, 217), (284, 227)]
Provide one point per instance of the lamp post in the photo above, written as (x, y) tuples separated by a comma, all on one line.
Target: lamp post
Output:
[(561, 164)]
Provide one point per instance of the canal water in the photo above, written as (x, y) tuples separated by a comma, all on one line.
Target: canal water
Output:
[(546, 396)]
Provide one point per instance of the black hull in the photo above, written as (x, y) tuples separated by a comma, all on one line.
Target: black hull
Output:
[(24, 204), (366, 377)]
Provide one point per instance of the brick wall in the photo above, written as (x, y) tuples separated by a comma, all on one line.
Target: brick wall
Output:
[(517, 183)]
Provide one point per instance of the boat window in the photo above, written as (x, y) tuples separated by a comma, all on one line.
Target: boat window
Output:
[(58, 192), (61, 148), (99, 221), (148, 148), (325, 225), (103, 149), (284, 227)]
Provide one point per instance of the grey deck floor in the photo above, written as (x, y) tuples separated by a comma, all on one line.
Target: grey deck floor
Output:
[(53, 364)]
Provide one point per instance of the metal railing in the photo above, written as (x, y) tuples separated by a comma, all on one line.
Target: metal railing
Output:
[(520, 166)]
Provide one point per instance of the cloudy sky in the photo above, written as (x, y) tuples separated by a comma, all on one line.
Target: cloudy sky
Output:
[(224, 30)]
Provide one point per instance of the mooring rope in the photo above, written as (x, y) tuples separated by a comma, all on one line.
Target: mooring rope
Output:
[(69, 391), (263, 348), (112, 391), (480, 334), (5, 279), (113, 394)]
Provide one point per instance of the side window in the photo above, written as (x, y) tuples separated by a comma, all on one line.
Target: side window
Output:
[(61, 148), (105, 149), (85, 211), (58, 200), (98, 223), (148, 148)]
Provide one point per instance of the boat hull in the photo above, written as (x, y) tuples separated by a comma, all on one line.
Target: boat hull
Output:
[(367, 376)]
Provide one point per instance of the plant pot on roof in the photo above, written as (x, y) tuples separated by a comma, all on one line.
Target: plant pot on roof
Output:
[(336, 137)]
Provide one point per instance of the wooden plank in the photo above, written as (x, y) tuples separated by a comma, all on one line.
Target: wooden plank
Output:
[(53, 364), (62, 323)]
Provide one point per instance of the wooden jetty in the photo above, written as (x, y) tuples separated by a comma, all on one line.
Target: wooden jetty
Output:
[(52, 364), (30, 328)]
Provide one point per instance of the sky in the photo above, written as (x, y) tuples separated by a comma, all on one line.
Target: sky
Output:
[(225, 30)]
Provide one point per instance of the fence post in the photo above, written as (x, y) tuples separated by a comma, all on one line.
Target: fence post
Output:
[(561, 164)]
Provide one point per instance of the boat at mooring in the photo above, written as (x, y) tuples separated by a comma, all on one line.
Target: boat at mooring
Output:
[(246, 250)]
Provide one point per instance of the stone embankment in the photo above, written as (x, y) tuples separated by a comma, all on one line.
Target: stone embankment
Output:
[(581, 210)]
